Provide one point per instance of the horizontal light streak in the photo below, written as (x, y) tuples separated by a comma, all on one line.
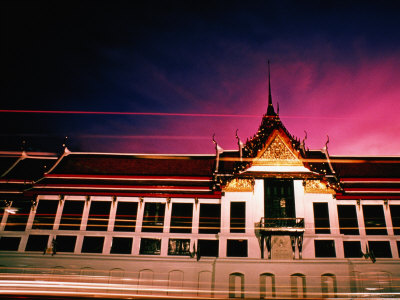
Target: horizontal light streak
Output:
[(166, 194), (358, 191), (370, 180), (127, 177), (123, 188), (28, 154), (16, 181), (79, 112), (366, 197), (163, 114), (123, 290)]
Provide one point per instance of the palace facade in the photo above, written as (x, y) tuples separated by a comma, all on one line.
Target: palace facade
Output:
[(270, 219)]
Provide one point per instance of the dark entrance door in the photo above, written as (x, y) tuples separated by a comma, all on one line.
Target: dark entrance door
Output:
[(279, 198)]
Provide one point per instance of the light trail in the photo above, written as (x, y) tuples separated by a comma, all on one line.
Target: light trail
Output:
[(163, 114), (78, 112)]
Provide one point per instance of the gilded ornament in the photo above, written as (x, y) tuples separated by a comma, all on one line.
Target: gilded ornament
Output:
[(239, 185), (317, 187), (277, 153)]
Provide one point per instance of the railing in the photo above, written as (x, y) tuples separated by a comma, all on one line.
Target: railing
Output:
[(282, 223)]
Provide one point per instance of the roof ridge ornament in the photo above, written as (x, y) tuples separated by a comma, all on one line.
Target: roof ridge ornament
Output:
[(218, 151), (325, 150), (240, 144), (303, 142)]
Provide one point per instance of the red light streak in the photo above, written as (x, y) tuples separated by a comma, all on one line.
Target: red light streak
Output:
[(162, 114), (126, 113)]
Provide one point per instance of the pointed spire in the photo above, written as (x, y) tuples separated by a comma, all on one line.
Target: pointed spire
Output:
[(270, 110)]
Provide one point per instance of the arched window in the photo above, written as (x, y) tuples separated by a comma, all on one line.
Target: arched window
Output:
[(355, 284), (298, 285), (57, 273), (328, 285), (175, 283), (116, 276), (205, 284), (236, 285), (267, 285), (145, 281), (87, 274)]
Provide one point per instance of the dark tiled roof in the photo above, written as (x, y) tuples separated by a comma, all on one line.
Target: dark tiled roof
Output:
[(366, 167), (131, 175), (116, 164), (30, 169), (228, 161), (368, 177)]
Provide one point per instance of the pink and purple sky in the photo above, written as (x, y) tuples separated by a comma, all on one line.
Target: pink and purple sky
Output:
[(201, 68)]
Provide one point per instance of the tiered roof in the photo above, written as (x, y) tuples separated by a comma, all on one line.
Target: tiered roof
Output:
[(130, 175), (368, 177)]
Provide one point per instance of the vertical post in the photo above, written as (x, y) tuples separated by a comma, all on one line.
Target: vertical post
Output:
[(262, 246)]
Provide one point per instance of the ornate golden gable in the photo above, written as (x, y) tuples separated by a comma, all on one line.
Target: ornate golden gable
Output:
[(239, 185), (277, 153), (317, 187)]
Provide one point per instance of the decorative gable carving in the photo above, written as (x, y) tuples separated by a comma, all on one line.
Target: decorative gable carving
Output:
[(317, 187), (239, 185), (277, 153)]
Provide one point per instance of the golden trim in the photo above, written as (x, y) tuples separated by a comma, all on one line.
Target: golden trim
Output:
[(277, 153), (239, 185), (317, 187)]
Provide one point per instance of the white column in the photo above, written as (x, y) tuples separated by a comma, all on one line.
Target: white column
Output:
[(85, 214), (57, 219), (138, 227), (299, 198), (164, 246), (339, 248), (361, 226), (113, 211), (139, 217), (333, 217), (196, 217), (388, 219), (31, 217), (360, 219), (107, 244), (225, 215), (222, 241), (78, 244), (167, 216)]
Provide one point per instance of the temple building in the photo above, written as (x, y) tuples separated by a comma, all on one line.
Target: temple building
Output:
[(268, 219)]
